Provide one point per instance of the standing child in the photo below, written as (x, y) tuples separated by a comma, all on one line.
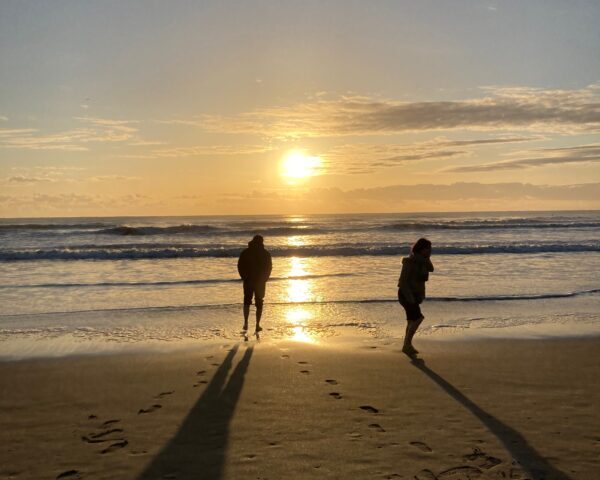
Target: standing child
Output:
[(411, 289)]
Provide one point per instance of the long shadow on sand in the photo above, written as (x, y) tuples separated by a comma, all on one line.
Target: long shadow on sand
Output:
[(531, 461), (198, 449)]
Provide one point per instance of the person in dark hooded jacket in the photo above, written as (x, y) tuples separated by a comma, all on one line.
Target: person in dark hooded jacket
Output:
[(411, 288), (254, 267)]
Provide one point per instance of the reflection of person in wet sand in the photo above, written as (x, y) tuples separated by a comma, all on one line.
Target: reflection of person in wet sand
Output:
[(411, 288), (254, 266)]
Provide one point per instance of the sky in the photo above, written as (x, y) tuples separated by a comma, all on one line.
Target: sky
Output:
[(198, 107)]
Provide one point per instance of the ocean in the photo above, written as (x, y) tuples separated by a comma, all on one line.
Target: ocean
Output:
[(92, 285)]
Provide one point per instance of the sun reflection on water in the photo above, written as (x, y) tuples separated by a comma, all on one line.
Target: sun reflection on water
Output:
[(298, 317), (299, 290)]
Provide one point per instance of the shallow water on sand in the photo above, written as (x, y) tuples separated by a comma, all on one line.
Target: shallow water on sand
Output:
[(82, 285)]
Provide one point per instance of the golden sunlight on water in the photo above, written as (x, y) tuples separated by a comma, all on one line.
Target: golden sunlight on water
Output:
[(298, 317), (298, 291)]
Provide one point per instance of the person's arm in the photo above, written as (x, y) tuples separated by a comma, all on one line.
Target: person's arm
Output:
[(429, 265), (241, 266), (269, 268), (404, 284)]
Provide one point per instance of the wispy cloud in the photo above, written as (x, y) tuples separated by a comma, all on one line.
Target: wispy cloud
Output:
[(361, 158), (422, 197), (518, 108), (26, 180), (28, 176), (96, 130), (201, 150), (70, 202), (111, 178), (538, 158)]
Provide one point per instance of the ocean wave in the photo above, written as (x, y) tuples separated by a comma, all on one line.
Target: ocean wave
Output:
[(185, 308), (491, 225), (142, 251), (210, 229), (168, 283), (177, 229)]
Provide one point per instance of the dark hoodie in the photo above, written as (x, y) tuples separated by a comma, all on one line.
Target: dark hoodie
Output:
[(415, 272), (254, 264)]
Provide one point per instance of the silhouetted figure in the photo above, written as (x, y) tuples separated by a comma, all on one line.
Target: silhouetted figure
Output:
[(254, 266), (411, 289)]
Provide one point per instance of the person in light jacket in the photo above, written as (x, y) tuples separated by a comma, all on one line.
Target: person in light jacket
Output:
[(411, 288)]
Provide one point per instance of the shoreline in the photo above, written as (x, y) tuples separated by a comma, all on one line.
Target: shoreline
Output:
[(262, 410)]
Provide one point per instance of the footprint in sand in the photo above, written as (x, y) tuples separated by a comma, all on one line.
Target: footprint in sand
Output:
[(369, 408), (92, 417), (200, 372), (110, 422), (201, 382), (376, 426), (425, 475), (216, 364), (68, 474), (100, 437), (164, 394), (209, 357), (115, 446), (303, 363), (331, 381), (482, 459), (138, 453), (154, 407), (422, 446), (305, 372), (285, 356), (336, 395), (460, 473)]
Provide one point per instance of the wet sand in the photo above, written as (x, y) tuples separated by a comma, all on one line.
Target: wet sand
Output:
[(488, 409)]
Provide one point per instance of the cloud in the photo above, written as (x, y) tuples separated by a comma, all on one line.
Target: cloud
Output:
[(516, 108), (48, 174), (70, 202), (111, 178), (203, 150), (461, 196), (360, 158), (538, 158), (3, 118), (96, 130), (25, 180)]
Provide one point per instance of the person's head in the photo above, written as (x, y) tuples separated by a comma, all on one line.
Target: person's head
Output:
[(422, 247), (257, 241)]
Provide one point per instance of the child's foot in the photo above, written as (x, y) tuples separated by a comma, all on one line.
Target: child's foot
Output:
[(245, 327), (258, 329)]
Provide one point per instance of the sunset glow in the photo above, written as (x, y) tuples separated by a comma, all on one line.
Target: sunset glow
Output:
[(304, 115), (297, 165)]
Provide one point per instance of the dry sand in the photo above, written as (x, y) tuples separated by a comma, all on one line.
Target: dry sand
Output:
[(481, 409)]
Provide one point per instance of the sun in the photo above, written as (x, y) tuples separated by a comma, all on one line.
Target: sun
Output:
[(297, 165)]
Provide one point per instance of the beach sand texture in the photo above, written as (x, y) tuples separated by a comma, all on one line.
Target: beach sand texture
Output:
[(488, 409)]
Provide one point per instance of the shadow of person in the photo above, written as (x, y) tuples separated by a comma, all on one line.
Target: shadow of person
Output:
[(529, 459), (198, 449)]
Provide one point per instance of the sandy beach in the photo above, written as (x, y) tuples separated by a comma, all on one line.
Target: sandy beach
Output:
[(489, 409)]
